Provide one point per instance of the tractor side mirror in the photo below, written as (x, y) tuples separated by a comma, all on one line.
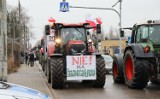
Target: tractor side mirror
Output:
[(122, 33), (47, 29), (98, 29)]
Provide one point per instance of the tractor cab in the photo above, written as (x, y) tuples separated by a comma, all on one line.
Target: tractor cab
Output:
[(71, 39), (149, 32)]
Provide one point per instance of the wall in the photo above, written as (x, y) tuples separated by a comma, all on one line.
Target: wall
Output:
[(112, 45)]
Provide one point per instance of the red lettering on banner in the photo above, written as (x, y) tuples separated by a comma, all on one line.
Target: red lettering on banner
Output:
[(81, 60), (90, 59), (75, 61)]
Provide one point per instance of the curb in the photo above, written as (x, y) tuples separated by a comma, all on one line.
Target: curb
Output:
[(51, 92)]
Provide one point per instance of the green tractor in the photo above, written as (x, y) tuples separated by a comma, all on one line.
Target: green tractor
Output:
[(140, 62), (73, 56)]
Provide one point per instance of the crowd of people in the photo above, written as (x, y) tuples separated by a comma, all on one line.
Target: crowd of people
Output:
[(30, 58)]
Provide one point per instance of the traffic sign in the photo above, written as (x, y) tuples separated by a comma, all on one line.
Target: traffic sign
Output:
[(129, 39), (64, 6)]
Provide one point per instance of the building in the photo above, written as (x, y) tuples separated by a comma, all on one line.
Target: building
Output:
[(112, 46), (3, 41)]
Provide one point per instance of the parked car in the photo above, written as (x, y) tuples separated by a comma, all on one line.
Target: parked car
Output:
[(13, 91), (108, 63)]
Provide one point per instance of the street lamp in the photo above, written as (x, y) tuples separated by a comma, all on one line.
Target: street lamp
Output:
[(119, 14), (120, 23)]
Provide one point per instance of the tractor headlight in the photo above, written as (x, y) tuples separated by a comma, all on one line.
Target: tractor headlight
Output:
[(147, 49), (58, 40), (90, 41)]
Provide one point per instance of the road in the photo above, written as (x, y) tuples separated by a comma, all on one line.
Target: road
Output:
[(77, 90), (34, 77)]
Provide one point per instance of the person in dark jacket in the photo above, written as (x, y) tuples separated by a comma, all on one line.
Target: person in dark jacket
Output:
[(31, 59)]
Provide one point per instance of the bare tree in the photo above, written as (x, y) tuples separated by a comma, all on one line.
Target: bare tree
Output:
[(18, 23)]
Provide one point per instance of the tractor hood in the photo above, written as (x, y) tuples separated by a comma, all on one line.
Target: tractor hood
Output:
[(75, 47)]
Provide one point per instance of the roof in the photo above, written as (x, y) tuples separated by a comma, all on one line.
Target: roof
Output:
[(73, 24), (149, 22)]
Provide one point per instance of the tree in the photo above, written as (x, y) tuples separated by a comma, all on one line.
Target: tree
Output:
[(18, 23)]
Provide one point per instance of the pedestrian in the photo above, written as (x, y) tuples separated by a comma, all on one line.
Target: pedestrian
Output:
[(31, 59), (26, 58)]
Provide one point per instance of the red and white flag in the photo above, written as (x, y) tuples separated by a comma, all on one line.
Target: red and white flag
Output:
[(90, 21), (93, 22), (98, 20), (51, 20)]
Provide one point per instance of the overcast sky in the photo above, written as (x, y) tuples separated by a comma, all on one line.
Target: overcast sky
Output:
[(132, 11)]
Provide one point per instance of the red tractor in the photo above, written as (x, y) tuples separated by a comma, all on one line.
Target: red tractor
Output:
[(73, 56)]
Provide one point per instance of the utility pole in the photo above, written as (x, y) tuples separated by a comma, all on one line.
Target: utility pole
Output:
[(111, 9), (3, 41), (13, 39), (120, 23)]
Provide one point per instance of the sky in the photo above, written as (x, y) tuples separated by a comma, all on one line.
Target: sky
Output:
[(133, 11)]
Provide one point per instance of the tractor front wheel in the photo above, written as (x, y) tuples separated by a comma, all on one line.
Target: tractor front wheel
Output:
[(136, 71), (57, 78), (101, 73), (117, 69), (48, 71)]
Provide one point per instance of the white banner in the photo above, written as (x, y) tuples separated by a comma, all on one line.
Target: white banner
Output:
[(81, 67), (50, 38)]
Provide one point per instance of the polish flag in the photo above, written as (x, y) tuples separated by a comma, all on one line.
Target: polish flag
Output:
[(90, 21), (98, 20), (51, 20)]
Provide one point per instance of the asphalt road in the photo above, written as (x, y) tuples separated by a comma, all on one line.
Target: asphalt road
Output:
[(79, 90), (34, 77)]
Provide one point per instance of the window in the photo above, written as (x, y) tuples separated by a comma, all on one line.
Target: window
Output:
[(73, 34), (148, 32), (142, 33)]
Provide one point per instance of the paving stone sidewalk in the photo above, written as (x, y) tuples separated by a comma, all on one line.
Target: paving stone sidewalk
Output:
[(32, 77)]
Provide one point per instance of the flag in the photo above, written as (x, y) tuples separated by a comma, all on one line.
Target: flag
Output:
[(90, 20), (51, 20), (91, 23), (98, 20)]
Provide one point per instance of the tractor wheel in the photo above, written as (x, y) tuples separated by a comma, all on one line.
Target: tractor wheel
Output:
[(117, 69), (56, 73), (136, 71), (43, 65), (48, 71), (154, 80), (45, 68), (101, 73)]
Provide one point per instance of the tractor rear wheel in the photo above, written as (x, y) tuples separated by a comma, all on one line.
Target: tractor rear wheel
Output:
[(136, 71), (101, 73), (117, 69), (154, 80), (48, 71), (57, 79)]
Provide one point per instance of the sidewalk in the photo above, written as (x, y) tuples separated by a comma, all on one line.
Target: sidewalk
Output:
[(30, 77)]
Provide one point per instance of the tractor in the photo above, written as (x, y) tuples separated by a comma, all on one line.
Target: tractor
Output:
[(140, 62), (73, 56)]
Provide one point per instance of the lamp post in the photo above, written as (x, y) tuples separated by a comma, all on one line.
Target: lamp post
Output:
[(112, 9)]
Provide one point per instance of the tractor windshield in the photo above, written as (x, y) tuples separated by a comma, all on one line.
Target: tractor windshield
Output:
[(151, 32), (73, 34)]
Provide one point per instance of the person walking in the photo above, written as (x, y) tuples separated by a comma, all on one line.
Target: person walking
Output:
[(26, 58), (31, 59)]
